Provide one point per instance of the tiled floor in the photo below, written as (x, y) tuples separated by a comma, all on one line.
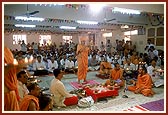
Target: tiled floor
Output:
[(116, 104)]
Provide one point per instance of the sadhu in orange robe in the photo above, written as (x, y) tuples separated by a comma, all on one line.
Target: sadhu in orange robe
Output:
[(24, 104), (116, 75), (11, 95), (144, 83), (82, 59), (105, 67)]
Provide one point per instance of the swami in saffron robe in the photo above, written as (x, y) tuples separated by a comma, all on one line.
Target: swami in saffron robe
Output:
[(82, 59), (11, 95), (144, 83)]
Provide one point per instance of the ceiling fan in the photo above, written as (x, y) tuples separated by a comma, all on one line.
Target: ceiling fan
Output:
[(108, 20), (30, 14)]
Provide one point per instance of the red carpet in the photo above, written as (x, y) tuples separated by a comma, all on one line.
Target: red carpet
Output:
[(77, 86)]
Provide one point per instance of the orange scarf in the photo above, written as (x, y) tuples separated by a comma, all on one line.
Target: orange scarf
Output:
[(24, 104)]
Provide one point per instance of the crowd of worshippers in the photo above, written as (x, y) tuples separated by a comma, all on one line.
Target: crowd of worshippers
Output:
[(116, 65), (49, 57)]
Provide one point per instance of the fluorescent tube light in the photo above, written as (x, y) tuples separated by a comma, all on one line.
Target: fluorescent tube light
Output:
[(29, 18), (86, 22), (125, 11), (21, 25), (67, 27)]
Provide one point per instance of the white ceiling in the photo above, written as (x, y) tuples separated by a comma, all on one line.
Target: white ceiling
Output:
[(150, 7), (62, 12)]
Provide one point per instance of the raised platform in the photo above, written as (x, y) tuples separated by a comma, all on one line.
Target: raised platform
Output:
[(101, 92)]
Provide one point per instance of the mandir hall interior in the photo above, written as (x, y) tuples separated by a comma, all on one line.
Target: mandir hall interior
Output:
[(136, 28)]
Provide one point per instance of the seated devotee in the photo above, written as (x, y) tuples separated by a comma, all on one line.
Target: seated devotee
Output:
[(76, 64), (52, 64), (153, 71), (133, 56), (158, 60), (110, 58), (30, 102), (152, 52), (62, 97), (116, 76), (143, 85), (45, 60), (129, 69), (117, 58), (93, 63), (141, 61), (62, 61), (45, 102), (101, 58), (34, 60), (123, 60), (70, 65), (105, 67), (39, 67), (22, 82), (136, 60), (128, 65)]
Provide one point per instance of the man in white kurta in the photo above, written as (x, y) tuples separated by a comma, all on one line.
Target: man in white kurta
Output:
[(52, 64), (62, 62), (153, 71), (22, 80), (129, 65), (39, 65), (57, 88), (69, 64)]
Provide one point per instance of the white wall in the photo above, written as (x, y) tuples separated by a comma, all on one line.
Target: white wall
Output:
[(34, 37), (139, 40)]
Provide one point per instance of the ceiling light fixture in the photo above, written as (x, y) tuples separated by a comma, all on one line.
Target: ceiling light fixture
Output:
[(87, 22), (21, 25), (107, 35), (125, 26), (67, 27), (29, 18), (125, 11), (96, 7)]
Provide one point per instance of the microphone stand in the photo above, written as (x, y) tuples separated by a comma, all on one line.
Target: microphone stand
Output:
[(125, 89)]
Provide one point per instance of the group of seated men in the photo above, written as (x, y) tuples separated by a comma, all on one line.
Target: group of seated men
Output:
[(31, 97), (145, 79)]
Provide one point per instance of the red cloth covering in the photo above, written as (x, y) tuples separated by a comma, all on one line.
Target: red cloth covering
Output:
[(102, 94), (71, 101)]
